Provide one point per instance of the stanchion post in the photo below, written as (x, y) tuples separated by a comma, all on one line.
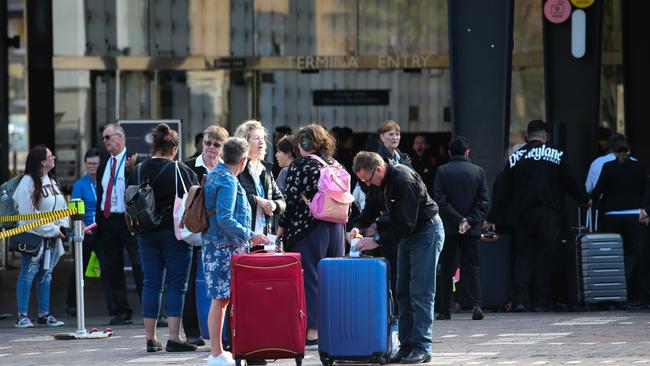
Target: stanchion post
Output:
[(78, 237)]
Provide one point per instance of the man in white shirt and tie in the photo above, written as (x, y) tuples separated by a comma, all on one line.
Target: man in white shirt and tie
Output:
[(112, 229)]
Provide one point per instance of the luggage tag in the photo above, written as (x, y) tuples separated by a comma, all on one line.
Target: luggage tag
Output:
[(270, 247)]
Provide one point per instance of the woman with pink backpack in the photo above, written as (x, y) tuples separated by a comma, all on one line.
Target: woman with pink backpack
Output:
[(313, 223)]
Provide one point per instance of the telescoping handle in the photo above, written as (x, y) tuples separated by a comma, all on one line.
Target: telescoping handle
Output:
[(591, 221)]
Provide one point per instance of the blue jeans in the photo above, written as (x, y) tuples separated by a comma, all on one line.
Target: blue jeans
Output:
[(30, 269), (417, 259), (164, 258)]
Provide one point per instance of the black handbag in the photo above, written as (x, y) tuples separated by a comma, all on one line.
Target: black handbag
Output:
[(26, 243)]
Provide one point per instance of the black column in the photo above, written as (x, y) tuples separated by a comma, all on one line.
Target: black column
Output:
[(480, 53), (636, 77), (4, 95), (40, 76), (572, 88)]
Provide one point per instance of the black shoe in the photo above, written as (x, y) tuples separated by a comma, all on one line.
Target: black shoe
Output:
[(153, 346), (121, 319), (417, 356), (443, 316), (162, 322), (518, 308), (173, 346), (197, 341), (403, 352), (255, 362), (477, 314)]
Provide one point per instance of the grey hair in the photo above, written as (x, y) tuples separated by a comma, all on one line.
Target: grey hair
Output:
[(116, 128), (234, 150), (367, 161)]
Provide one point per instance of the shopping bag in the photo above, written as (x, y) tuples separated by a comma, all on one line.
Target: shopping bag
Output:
[(93, 270), (181, 232)]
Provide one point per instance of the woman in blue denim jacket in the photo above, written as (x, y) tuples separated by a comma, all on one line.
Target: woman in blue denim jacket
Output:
[(228, 233)]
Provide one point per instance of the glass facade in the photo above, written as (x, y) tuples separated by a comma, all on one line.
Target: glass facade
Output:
[(145, 59)]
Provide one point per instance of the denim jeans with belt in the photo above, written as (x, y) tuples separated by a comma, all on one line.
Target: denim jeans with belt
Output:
[(417, 259), (35, 267), (164, 258)]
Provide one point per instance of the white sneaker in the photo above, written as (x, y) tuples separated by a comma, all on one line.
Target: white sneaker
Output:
[(23, 322), (221, 360), (49, 320)]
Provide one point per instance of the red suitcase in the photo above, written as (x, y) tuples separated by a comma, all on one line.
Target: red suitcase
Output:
[(268, 313)]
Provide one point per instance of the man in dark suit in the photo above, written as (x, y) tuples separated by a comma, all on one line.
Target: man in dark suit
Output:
[(111, 184), (462, 195)]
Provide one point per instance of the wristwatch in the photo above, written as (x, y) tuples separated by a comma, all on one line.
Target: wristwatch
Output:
[(376, 238)]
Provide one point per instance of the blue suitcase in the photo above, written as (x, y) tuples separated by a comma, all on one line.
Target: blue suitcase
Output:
[(355, 312), (203, 302)]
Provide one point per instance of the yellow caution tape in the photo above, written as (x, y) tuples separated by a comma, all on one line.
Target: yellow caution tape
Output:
[(42, 219)]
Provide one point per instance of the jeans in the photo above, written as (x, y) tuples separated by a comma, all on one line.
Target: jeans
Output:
[(417, 260), (164, 258), (30, 269)]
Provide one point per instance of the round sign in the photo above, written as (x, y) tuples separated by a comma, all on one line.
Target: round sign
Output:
[(557, 11), (582, 3)]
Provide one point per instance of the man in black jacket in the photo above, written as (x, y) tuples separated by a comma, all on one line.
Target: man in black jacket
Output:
[(533, 185), (111, 226), (461, 192), (417, 228)]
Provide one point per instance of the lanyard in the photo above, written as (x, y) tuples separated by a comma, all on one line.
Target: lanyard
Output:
[(117, 171)]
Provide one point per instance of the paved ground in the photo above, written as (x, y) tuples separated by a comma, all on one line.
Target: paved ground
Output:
[(586, 338), (616, 338)]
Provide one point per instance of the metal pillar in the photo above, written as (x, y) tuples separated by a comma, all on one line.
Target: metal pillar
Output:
[(636, 77), (40, 76), (480, 52)]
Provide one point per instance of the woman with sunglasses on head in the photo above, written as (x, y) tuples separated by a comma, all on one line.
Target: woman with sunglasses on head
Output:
[(213, 139), (37, 192)]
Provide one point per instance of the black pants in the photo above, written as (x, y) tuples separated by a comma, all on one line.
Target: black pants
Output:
[(116, 238), (643, 265), (629, 228), (90, 244), (389, 251), (470, 270), (190, 316), (536, 236)]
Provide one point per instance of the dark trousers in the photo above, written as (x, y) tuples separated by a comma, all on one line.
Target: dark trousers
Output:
[(643, 265), (629, 228), (190, 316), (389, 251), (470, 270), (116, 238), (325, 240), (536, 235), (90, 244)]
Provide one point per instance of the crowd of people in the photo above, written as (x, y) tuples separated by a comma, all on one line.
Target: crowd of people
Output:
[(412, 210)]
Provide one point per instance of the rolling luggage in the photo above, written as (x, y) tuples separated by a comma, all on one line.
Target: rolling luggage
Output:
[(203, 302), (268, 310), (354, 309), (597, 266)]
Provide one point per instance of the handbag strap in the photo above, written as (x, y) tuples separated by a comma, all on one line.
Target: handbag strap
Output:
[(176, 175)]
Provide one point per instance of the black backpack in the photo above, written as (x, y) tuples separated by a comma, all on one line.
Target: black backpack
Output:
[(140, 214)]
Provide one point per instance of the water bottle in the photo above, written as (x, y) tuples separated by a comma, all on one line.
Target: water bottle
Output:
[(353, 245)]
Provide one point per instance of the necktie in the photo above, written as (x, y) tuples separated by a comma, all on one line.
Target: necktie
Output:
[(109, 190)]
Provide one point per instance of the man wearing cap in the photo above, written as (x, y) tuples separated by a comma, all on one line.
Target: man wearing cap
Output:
[(533, 182)]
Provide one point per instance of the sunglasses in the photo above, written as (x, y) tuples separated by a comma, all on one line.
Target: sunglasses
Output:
[(212, 143), (369, 181), (108, 137)]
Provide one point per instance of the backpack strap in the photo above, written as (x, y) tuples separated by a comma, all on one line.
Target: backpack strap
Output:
[(159, 173)]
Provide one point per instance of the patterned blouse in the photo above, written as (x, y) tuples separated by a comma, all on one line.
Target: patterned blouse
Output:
[(302, 177)]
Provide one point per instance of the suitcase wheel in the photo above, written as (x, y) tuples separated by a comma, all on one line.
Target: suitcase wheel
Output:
[(298, 361), (237, 361), (325, 361), (382, 360)]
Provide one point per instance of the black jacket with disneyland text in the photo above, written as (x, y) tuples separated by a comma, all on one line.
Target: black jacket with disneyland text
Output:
[(536, 175), (404, 197)]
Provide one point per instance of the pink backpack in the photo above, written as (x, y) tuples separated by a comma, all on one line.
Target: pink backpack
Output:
[(332, 201)]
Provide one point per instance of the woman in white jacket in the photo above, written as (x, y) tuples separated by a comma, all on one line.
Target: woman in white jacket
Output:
[(38, 191)]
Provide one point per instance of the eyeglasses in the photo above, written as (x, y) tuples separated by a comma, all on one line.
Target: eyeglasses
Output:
[(369, 181), (108, 137), (212, 143)]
